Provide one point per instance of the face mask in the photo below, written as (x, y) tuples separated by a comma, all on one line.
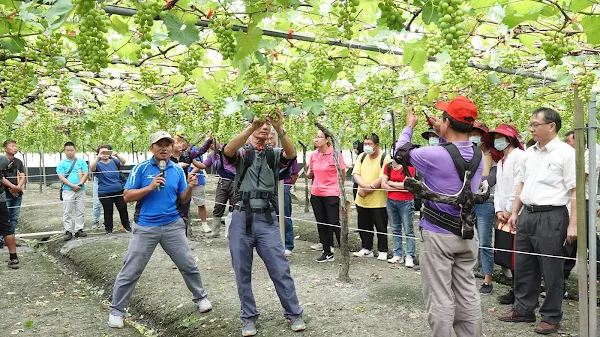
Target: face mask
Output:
[(434, 141), (475, 140), (500, 144), (368, 149)]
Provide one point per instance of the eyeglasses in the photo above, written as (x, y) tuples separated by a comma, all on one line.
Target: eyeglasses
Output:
[(536, 125), (321, 137)]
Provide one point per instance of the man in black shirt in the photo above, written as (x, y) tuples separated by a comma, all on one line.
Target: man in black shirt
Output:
[(13, 182)]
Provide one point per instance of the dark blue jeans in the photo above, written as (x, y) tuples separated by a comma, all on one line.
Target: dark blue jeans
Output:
[(401, 215), (485, 227), (287, 208), (14, 208)]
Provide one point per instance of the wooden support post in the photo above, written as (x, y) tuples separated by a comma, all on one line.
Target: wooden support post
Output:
[(281, 207)]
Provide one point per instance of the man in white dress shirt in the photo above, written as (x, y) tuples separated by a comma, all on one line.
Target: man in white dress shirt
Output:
[(543, 227)]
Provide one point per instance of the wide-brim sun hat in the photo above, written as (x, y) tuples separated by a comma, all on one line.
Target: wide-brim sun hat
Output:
[(503, 129)]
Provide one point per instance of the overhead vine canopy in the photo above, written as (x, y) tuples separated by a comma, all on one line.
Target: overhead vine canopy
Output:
[(114, 71)]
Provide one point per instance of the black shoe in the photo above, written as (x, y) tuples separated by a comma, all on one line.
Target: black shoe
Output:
[(80, 234), (486, 289), (106, 231), (508, 298), (326, 258), (127, 229), (13, 264), (68, 236)]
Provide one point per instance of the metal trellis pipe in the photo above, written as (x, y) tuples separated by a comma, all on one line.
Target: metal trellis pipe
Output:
[(592, 207), (125, 11)]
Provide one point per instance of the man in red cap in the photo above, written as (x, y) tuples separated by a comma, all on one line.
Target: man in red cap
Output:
[(447, 259), (505, 140)]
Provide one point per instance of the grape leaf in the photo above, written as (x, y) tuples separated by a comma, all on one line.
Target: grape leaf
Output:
[(232, 106), (429, 14), (591, 26), (10, 114), (59, 8), (14, 45), (315, 107), (247, 43), (291, 110), (433, 93), (415, 54), (493, 78), (118, 25), (29, 324), (185, 35), (577, 5), (528, 41)]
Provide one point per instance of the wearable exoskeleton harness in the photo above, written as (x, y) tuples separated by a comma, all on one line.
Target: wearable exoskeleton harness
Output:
[(465, 199)]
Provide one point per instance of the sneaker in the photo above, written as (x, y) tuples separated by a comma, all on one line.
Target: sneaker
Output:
[(318, 246), (409, 263), (508, 298), (80, 234), (126, 229), (13, 264), (95, 226), (363, 253), (288, 253), (67, 236), (326, 258), (507, 272), (106, 231), (205, 228), (297, 324), (204, 305), (486, 289), (382, 256), (249, 329), (396, 259), (115, 321)]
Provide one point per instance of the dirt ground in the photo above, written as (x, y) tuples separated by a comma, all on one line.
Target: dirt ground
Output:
[(381, 300)]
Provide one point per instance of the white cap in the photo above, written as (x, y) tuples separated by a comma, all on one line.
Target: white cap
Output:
[(158, 135)]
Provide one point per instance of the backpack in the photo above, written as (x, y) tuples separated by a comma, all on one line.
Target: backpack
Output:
[(220, 167)]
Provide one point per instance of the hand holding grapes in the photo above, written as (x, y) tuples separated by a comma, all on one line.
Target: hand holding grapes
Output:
[(277, 123), (411, 118)]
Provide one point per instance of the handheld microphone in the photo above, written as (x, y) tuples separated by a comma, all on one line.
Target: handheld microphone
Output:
[(162, 165)]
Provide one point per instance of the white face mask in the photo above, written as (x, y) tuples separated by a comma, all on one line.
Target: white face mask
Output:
[(475, 140), (434, 141), (368, 149)]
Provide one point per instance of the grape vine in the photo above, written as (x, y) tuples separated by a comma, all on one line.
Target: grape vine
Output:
[(92, 44)]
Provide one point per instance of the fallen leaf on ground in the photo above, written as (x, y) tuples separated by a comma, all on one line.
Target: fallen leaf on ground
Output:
[(492, 309)]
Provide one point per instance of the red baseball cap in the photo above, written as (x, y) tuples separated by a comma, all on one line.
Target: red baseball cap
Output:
[(503, 129), (481, 126), (460, 108)]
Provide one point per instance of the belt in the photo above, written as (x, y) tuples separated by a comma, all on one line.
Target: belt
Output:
[(254, 210), (541, 208)]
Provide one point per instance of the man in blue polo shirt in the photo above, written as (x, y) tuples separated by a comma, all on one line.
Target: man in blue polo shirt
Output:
[(72, 172), (157, 184)]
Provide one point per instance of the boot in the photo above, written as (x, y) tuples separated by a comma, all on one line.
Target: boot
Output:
[(215, 228)]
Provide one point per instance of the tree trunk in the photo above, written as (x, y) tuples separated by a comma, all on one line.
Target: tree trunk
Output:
[(39, 176), (344, 273), (26, 170), (306, 193)]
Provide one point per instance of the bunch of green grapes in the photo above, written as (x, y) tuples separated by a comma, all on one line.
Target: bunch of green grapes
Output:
[(49, 47), (295, 71), (586, 82), (254, 78), (555, 48), (391, 15), (65, 92), (148, 77), (92, 44), (18, 81), (190, 62), (320, 64), (510, 59), (144, 19), (434, 46), (452, 21), (347, 15), (459, 59), (223, 28)]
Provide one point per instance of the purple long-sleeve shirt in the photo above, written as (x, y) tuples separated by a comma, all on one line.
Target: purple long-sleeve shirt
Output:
[(294, 170), (197, 152), (437, 167), (210, 161)]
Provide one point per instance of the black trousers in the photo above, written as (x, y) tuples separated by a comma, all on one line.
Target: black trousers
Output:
[(369, 217), (327, 214), (542, 233), (570, 264), (354, 190), (223, 194), (108, 200)]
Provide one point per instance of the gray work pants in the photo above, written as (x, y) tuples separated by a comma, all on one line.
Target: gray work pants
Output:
[(73, 202), (449, 290), (542, 233), (141, 246), (267, 240)]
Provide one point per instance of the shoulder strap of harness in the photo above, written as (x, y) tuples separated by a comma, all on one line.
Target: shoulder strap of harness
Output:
[(462, 165), (389, 170)]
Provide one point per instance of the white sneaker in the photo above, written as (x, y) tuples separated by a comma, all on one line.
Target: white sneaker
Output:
[(115, 321), (410, 263), (288, 252), (318, 246), (396, 259), (363, 253), (205, 228), (382, 256), (204, 305)]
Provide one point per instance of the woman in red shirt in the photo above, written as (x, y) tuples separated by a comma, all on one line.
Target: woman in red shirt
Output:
[(325, 193), (400, 208)]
